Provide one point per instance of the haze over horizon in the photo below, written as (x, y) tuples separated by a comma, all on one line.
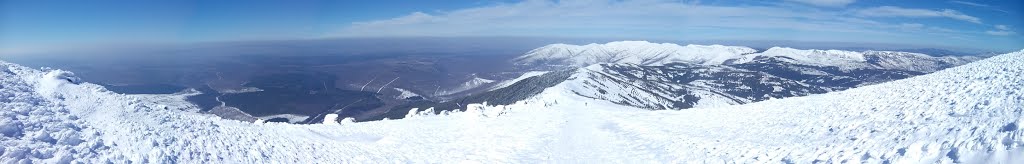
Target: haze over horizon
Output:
[(48, 25)]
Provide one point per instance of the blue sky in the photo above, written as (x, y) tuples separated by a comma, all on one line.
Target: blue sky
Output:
[(32, 25)]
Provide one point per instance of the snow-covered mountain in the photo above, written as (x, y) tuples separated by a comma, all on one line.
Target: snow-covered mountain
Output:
[(630, 52), (850, 60), (681, 78), (968, 114), (681, 86), (654, 54)]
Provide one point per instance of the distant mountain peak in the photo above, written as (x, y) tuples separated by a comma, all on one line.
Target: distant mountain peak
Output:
[(633, 52)]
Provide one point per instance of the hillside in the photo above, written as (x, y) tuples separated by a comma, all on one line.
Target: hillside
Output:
[(971, 114)]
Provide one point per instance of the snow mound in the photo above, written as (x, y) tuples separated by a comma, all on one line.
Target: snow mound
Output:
[(967, 114), (34, 130)]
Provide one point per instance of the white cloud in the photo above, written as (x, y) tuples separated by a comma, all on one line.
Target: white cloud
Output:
[(1000, 33), (652, 19), (623, 17), (969, 3), (892, 11), (912, 26), (979, 5), (825, 3), (416, 17), (1001, 30), (1002, 27)]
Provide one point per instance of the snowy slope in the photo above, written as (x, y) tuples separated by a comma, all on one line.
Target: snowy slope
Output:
[(849, 60), (718, 76), (681, 86), (970, 114), (655, 54), (509, 82), (631, 52), (473, 83)]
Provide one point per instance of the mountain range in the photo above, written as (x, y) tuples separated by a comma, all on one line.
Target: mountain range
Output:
[(965, 114), (661, 76)]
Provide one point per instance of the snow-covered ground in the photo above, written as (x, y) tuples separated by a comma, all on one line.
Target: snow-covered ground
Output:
[(969, 114)]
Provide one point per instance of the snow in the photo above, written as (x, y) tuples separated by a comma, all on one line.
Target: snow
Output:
[(470, 84), (633, 52), (330, 119), (507, 83), (839, 58), (404, 94), (653, 54), (241, 90), (849, 60), (968, 114)]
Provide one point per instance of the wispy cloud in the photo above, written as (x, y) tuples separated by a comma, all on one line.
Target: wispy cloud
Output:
[(979, 5), (658, 19), (538, 17), (825, 3), (1001, 30), (892, 11), (1002, 27), (970, 3)]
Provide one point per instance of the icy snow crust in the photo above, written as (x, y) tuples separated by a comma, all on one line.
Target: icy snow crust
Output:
[(970, 114)]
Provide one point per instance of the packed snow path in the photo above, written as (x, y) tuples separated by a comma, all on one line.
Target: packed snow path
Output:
[(969, 114)]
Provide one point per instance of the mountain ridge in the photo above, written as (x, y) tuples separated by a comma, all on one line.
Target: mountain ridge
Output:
[(654, 54), (970, 113)]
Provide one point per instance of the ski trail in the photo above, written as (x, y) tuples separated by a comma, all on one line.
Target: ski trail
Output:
[(386, 85), (367, 83)]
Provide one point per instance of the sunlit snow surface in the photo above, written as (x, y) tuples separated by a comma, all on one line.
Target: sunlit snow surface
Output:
[(969, 114)]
